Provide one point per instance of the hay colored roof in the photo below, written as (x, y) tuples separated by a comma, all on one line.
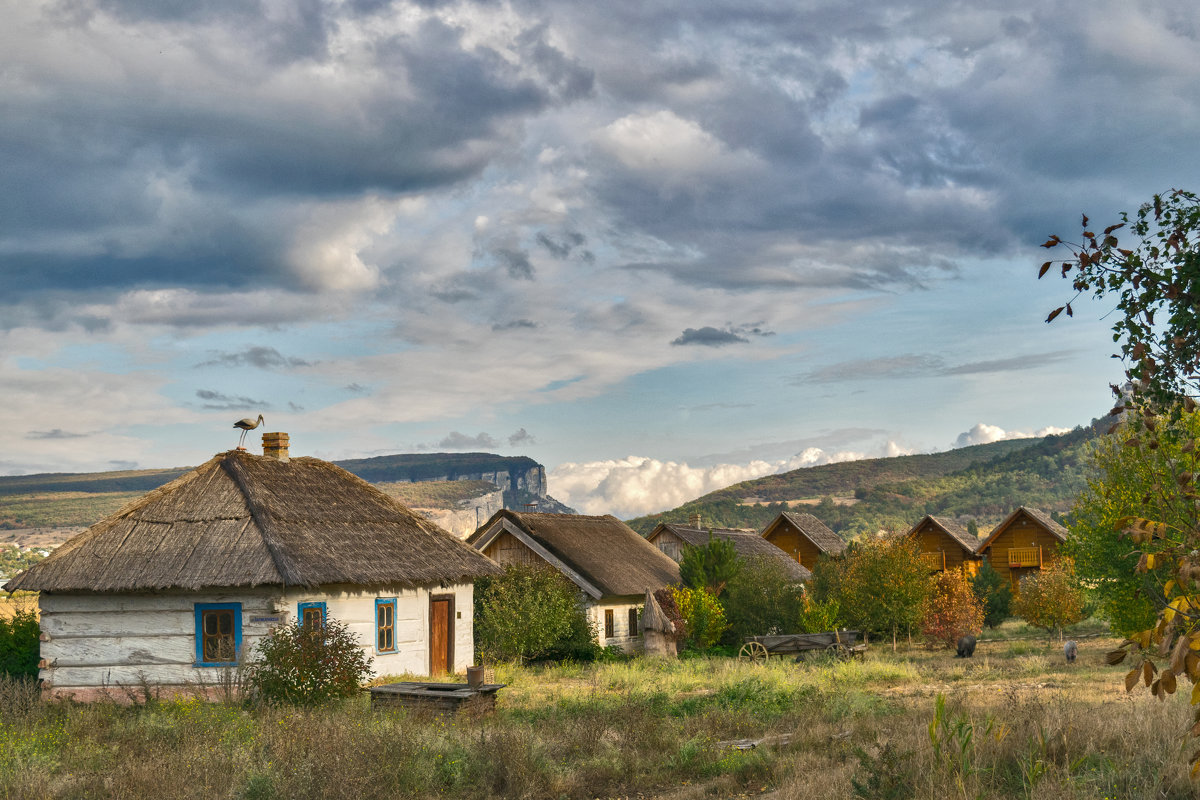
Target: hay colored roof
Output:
[(247, 520), (747, 543), (952, 529), (816, 531), (605, 552), (1038, 516)]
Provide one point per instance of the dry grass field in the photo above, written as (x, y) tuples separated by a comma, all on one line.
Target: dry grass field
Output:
[(1015, 721)]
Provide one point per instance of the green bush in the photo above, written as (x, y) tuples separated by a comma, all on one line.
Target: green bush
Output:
[(302, 665), (528, 613), (19, 644), (994, 593), (762, 599)]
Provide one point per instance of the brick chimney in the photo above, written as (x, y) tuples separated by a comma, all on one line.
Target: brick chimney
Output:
[(275, 445)]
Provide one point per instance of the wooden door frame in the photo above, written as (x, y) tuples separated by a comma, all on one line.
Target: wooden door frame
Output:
[(433, 598)]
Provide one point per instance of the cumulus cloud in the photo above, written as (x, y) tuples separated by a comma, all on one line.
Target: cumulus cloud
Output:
[(638, 485), (982, 433), (521, 438)]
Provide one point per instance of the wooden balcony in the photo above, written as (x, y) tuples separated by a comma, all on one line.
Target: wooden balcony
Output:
[(1025, 557), (936, 562)]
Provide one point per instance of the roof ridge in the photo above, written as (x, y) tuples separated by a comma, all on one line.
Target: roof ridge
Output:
[(283, 562)]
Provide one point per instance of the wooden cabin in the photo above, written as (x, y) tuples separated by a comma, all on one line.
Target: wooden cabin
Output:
[(803, 537), (946, 545), (672, 538), (178, 586), (612, 565), (1022, 544)]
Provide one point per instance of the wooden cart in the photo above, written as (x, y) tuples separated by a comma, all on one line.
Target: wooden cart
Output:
[(841, 644)]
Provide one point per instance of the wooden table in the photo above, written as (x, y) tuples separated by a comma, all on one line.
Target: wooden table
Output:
[(437, 697)]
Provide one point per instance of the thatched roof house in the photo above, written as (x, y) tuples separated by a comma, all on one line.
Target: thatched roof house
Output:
[(258, 536), (612, 564), (672, 538), (945, 544), (804, 537)]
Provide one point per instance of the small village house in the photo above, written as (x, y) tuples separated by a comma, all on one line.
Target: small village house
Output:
[(945, 545), (672, 538), (1022, 544), (611, 563), (183, 582), (803, 537)]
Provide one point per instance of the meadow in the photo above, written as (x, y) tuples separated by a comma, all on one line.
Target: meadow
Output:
[(1015, 721)]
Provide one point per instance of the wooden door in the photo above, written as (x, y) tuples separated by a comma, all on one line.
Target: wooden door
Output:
[(441, 635)]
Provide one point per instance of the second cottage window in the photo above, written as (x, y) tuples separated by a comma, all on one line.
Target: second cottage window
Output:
[(609, 626)]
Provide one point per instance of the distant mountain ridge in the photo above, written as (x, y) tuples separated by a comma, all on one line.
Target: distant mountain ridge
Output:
[(981, 483)]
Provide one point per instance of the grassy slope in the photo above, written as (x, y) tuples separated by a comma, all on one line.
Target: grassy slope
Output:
[(984, 482)]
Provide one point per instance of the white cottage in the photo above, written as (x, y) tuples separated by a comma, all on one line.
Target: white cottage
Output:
[(611, 563), (180, 584)]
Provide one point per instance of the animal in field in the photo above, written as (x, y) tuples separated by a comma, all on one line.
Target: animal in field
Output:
[(966, 647), (1070, 650), (247, 425)]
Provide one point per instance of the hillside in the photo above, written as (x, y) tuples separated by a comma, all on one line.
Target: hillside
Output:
[(981, 483)]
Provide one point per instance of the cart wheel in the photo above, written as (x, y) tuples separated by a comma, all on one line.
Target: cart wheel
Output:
[(838, 651), (753, 651)]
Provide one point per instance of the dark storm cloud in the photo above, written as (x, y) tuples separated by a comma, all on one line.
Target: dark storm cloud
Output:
[(259, 357), (56, 433), (516, 262), (516, 324), (708, 336), (461, 441), (561, 247), (218, 401)]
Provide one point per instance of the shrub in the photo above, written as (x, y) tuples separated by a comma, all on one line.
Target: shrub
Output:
[(530, 612), (1050, 599), (19, 644), (763, 598), (303, 665), (994, 593), (711, 566), (954, 610), (880, 586), (703, 616)]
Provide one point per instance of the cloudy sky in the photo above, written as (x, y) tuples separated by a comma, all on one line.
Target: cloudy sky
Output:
[(659, 247)]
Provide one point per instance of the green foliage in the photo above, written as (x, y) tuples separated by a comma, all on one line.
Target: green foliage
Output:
[(762, 599), (300, 665), (994, 593), (881, 587), (703, 616), (1051, 598), (1127, 482), (818, 616), (529, 612), (19, 644), (14, 560), (889, 774), (710, 566)]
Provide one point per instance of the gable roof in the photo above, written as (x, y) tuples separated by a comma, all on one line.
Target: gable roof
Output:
[(606, 555), (247, 520), (1037, 515), (813, 529), (952, 529), (747, 543)]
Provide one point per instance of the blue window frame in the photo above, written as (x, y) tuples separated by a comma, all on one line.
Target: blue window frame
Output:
[(218, 634), (312, 614), (385, 625)]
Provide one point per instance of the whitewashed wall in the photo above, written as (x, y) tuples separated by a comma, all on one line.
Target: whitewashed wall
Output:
[(623, 637), (112, 643)]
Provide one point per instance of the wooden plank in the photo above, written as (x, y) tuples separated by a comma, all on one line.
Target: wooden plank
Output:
[(120, 651)]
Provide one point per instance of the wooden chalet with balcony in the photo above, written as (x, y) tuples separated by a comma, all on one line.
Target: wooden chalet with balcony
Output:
[(946, 545), (803, 537), (1022, 544)]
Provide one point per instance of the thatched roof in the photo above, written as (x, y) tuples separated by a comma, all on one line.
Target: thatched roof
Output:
[(246, 520), (605, 552), (747, 543), (957, 532), (816, 531), (1037, 516)]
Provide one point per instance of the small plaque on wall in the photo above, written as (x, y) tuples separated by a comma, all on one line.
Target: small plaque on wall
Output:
[(265, 619)]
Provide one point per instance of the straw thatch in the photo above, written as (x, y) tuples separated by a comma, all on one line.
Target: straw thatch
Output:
[(747, 543), (1038, 516), (605, 552), (958, 533), (817, 532), (245, 520)]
